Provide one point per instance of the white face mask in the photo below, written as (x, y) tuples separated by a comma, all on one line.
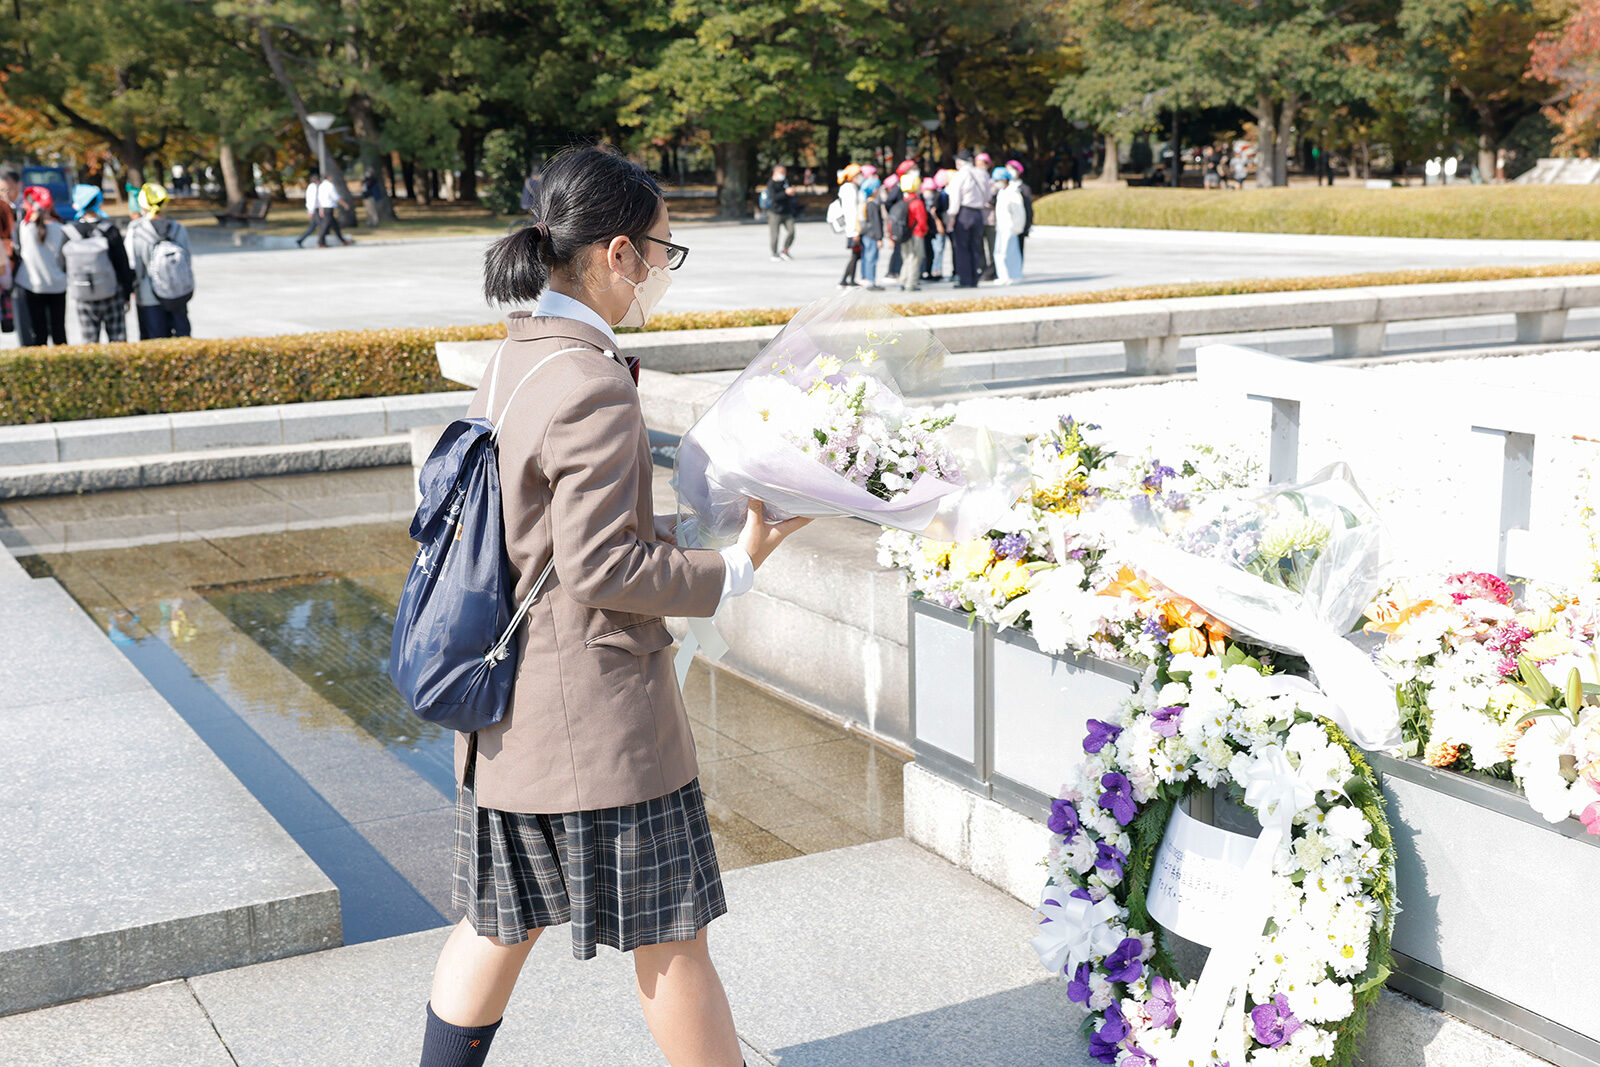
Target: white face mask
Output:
[(646, 295)]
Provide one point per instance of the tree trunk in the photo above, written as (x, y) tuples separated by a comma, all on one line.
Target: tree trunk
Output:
[(280, 73), (1280, 162), (1273, 119), (408, 171), (379, 209), (471, 145), (133, 157), (1486, 155), (233, 184), (733, 178), (834, 164), (1111, 171)]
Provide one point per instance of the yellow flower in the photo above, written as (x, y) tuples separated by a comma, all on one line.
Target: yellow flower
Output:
[(1010, 578), (1536, 621), (1546, 647), (972, 557), (936, 553), (829, 364)]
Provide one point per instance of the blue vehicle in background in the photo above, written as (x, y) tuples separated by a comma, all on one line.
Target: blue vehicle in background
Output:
[(56, 179)]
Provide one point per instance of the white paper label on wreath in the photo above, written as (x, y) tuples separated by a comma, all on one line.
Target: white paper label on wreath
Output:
[(1195, 882)]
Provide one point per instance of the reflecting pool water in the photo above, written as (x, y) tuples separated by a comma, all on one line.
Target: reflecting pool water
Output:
[(262, 609)]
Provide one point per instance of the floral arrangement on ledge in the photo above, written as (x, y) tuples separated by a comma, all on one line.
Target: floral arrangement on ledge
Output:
[(1485, 683), (1506, 688), (1050, 567)]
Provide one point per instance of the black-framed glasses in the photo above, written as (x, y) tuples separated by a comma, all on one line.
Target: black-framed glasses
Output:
[(676, 254)]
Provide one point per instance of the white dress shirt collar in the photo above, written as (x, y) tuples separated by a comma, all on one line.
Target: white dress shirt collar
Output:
[(561, 306)]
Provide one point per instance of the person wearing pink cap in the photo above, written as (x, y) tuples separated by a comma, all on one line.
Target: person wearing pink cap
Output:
[(1016, 168)]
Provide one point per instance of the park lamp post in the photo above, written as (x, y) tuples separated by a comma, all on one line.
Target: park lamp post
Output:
[(930, 125), (321, 122)]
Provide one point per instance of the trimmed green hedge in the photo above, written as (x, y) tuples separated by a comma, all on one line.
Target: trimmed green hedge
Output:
[(1501, 212), (195, 374), (192, 374)]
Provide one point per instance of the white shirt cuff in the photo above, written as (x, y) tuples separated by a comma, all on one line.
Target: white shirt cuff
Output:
[(738, 575)]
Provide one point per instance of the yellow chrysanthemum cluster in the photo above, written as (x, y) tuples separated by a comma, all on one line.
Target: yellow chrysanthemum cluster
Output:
[(1065, 497)]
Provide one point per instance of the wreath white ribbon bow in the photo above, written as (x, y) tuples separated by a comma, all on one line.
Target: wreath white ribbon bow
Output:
[(1073, 930), (1274, 788)]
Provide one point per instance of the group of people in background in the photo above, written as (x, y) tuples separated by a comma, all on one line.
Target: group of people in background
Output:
[(50, 251), (979, 211)]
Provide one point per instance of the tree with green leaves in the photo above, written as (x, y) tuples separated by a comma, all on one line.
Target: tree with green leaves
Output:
[(1272, 57), (1132, 59), (107, 68), (1479, 49)]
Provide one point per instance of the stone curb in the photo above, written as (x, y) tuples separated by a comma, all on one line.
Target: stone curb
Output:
[(225, 428), (216, 464)]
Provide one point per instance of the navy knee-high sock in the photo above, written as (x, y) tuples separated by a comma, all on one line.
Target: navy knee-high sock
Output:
[(447, 1045)]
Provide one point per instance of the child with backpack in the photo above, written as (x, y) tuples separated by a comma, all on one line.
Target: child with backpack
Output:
[(162, 268), (99, 279)]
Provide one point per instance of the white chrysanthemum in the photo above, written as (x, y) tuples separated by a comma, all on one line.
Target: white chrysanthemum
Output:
[(1346, 825)]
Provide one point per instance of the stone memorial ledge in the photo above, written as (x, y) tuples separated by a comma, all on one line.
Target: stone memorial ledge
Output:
[(1150, 331), (133, 855)]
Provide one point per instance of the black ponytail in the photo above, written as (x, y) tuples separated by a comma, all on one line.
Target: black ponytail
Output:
[(585, 195)]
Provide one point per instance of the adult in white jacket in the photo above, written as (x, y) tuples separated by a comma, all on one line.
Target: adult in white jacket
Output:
[(850, 202), (1010, 218), (42, 274)]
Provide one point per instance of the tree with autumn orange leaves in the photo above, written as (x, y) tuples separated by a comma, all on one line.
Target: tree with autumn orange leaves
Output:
[(1569, 58)]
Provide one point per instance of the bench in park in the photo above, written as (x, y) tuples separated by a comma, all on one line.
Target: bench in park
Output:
[(245, 213)]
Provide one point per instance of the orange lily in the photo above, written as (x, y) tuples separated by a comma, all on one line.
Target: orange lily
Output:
[(1130, 583), (1388, 615)]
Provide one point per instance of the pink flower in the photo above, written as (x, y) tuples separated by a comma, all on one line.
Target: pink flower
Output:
[(1591, 818), (1475, 585)]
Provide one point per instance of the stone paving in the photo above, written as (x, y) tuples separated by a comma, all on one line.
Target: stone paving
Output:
[(438, 282)]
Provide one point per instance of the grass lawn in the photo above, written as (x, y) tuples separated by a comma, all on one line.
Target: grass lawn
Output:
[(1556, 212)]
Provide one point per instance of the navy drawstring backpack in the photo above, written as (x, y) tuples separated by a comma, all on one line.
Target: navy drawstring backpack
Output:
[(451, 656)]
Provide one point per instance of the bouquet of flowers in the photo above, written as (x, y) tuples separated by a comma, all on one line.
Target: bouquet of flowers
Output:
[(1049, 564), (1504, 688), (824, 422), (1291, 567)]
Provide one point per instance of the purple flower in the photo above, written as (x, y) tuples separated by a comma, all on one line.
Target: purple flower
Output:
[(1078, 985), (1104, 1041), (1109, 858), (1138, 1057), (1152, 628), (1118, 797), (1082, 894), (1076, 553), (1063, 819), (1100, 735), (1011, 546), (1162, 1006), (1123, 964), (1151, 483), (1274, 1022), (1166, 723), (1102, 1050)]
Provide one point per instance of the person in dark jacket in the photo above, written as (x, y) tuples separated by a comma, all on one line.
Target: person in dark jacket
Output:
[(872, 229), (780, 209), (898, 222)]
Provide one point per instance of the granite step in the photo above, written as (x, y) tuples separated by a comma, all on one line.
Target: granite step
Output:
[(133, 855)]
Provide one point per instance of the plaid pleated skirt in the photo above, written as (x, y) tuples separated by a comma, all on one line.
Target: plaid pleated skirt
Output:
[(639, 874)]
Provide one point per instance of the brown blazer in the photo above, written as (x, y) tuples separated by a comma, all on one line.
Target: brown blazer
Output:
[(596, 717)]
